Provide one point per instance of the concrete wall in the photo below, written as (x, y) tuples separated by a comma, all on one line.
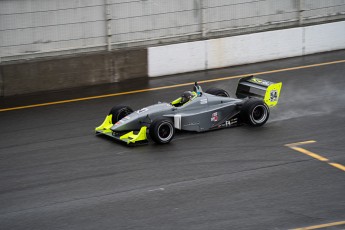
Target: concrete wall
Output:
[(69, 72), (177, 58), (108, 67), (44, 28), (1, 83), (325, 37), (253, 48), (245, 49)]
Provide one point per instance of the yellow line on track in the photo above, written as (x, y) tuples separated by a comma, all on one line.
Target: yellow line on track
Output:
[(322, 226), (313, 155), (339, 166), (170, 86), (300, 143)]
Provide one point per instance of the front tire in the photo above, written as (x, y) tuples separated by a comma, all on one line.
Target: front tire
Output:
[(217, 92), (255, 112), (162, 131), (119, 112)]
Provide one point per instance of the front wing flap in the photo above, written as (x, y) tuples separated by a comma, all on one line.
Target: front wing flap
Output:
[(130, 138)]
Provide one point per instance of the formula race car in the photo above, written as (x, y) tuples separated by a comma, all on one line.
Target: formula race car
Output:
[(193, 111)]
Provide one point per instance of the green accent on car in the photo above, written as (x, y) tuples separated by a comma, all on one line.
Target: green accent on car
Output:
[(178, 100), (194, 95), (132, 138), (106, 125)]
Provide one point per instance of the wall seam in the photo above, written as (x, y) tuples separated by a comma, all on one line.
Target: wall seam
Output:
[(303, 40), (206, 54)]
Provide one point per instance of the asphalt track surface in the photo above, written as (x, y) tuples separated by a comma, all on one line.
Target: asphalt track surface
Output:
[(56, 174)]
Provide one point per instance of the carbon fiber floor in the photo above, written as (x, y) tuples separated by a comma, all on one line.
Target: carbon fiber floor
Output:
[(55, 174)]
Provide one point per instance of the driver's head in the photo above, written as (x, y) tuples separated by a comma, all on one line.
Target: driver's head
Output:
[(186, 96)]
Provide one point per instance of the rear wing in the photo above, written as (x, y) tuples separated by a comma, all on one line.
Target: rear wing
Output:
[(255, 87)]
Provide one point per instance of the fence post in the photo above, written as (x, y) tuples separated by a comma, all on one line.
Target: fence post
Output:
[(300, 11), (202, 18), (108, 18)]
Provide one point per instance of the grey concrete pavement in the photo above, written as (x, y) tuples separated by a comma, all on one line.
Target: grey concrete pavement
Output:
[(55, 174)]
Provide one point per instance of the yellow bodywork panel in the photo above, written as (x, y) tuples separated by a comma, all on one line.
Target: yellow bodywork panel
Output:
[(272, 94), (129, 138), (132, 138), (177, 101), (106, 125)]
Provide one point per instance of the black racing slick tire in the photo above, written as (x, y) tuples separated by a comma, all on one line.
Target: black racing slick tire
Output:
[(255, 112), (162, 131), (217, 92), (119, 112)]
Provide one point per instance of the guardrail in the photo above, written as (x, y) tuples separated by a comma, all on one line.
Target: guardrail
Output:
[(245, 49)]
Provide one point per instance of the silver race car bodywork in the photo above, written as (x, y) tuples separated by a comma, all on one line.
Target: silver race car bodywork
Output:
[(205, 111)]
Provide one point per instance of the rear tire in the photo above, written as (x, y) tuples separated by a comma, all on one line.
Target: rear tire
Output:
[(119, 112), (162, 131), (217, 92), (255, 112)]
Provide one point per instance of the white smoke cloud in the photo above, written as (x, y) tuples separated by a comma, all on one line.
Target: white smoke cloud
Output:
[(300, 99)]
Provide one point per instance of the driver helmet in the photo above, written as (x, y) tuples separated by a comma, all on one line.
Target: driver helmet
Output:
[(186, 96)]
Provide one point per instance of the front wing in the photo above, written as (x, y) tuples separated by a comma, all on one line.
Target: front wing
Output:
[(130, 138)]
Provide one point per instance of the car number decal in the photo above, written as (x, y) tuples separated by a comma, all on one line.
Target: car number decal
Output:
[(274, 95)]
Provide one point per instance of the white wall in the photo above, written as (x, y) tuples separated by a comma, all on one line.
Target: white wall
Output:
[(253, 48), (326, 37), (245, 49), (178, 58)]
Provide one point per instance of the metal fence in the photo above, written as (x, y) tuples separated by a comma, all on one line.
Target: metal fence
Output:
[(36, 28)]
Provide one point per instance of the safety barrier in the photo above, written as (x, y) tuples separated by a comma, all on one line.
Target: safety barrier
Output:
[(245, 49), (115, 66)]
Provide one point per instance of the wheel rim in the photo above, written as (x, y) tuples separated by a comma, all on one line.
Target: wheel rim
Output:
[(259, 114), (165, 131)]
